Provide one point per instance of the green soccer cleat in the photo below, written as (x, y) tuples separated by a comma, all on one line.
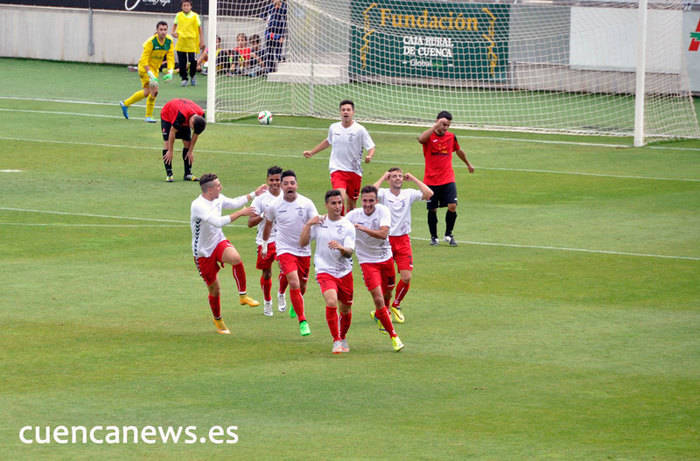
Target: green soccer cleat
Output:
[(304, 328), (292, 313), (396, 343)]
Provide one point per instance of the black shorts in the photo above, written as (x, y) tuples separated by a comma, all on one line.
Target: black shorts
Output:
[(183, 133), (443, 195)]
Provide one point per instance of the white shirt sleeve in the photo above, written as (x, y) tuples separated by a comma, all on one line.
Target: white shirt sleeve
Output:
[(384, 216), (233, 203), (367, 142)]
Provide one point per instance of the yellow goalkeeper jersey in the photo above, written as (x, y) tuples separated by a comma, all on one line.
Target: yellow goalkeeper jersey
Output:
[(187, 32), (154, 52)]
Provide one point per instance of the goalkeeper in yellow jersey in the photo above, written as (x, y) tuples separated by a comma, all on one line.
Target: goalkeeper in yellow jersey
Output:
[(155, 49)]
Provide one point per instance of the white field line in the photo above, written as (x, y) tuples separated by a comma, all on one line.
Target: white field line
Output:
[(400, 133), (176, 223), (384, 162)]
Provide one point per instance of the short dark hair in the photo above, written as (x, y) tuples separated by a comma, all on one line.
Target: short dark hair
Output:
[(444, 114), (274, 170), (286, 173), (390, 170), (347, 101), (161, 23), (368, 189), (185, 1), (206, 179), (199, 124), (332, 193)]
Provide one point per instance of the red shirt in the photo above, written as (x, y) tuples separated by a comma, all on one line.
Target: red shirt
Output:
[(438, 159), (178, 112)]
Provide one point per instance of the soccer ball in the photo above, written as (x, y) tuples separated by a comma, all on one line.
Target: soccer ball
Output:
[(265, 117)]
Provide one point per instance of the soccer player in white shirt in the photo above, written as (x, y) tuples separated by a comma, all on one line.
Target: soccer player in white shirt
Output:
[(335, 242), (289, 213), (210, 246), (267, 255), (399, 202), (347, 139), (372, 223)]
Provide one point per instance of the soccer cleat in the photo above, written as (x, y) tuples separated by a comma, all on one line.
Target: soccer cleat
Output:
[(344, 345), (190, 177), (398, 315), (267, 308), (221, 327), (379, 324), (337, 347), (434, 241), (451, 240), (396, 343), (125, 109), (184, 83), (281, 302), (169, 178), (292, 313), (245, 299), (149, 120), (193, 81), (304, 328)]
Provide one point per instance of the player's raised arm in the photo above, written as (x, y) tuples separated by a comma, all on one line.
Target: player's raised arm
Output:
[(305, 236), (384, 177), (427, 191)]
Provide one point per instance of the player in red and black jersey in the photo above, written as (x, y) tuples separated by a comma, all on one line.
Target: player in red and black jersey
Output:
[(438, 145), (178, 119)]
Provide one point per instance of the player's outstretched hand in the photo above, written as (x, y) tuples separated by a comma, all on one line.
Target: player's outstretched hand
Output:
[(168, 76), (308, 154), (248, 211)]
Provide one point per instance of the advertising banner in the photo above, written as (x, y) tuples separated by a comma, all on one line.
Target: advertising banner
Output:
[(450, 40)]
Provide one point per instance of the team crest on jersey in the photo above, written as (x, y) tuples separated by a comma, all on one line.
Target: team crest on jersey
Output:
[(375, 224), (300, 212), (340, 231)]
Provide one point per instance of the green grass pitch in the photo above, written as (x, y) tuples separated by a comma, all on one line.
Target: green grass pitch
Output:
[(564, 326)]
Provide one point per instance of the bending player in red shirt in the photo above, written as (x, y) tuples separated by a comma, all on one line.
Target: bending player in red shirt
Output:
[(177, 118), (438, 145)]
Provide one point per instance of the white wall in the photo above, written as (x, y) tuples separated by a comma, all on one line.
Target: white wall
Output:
[(62, 33)]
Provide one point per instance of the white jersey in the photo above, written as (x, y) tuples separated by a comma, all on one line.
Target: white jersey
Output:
[(206, 222), (290, 217), (400, 208), (261, 203), (327, 260), (368, 248), (347, 144)]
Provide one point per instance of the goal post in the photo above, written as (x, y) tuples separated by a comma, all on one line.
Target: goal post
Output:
[(556, 67)]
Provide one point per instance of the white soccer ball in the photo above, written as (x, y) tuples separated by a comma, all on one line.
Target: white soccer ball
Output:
[(265, 117)]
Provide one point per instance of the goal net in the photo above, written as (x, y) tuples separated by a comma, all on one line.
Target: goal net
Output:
[(567, 67)]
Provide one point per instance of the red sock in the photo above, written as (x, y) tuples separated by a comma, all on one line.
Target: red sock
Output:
[(332, 319), (345, 320), (215, 304), (383, 316), (401, 290), (283, 283), (239, 277), (297, 303), (266, 285)]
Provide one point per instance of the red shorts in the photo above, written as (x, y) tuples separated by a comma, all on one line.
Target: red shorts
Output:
[(403, 253), (351, 182), (208, 267), (342, 286), (376, 274), (290, 263), (266, 262)]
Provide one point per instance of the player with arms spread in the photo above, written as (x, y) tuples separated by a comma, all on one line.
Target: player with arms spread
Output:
[(347, 139), (267, 254), (438, 145), (155, 49), (335, 242), (210, 247), (178, 119), (289, 213), (399, 201), (372, 223)]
